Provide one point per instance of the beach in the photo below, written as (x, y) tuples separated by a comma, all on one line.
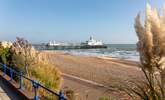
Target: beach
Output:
[(105, 71)]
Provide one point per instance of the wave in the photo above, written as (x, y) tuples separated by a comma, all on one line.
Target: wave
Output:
[(108, 53)]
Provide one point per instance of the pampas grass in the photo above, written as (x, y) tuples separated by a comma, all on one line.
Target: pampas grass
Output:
[(151, 47), (151, 35)]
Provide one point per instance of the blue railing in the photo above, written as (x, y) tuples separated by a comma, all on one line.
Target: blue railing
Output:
[(35, 85)]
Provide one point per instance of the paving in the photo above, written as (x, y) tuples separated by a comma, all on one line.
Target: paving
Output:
[(6, 93), (3, 95)]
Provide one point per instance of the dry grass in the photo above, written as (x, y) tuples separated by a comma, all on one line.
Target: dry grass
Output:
[(151, 47), (46, 74)]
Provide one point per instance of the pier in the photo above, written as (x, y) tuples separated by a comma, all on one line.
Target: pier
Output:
[(65, 47)]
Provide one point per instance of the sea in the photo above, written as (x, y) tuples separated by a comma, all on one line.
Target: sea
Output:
[(118, 51)]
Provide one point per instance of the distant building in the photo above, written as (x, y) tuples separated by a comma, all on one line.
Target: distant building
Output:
[(93, 42), (6, 44)]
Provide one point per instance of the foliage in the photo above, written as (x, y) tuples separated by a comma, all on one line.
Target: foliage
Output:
[(4, 55), (151, 47), (104, 98), (23, 54), (18, 62), (23, 57), (71, 94), (147, 89), (46, 74)]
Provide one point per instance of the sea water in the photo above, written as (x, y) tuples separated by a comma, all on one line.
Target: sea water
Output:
[(119, 51)]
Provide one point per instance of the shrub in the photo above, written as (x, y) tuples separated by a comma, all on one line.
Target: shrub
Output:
[(72, 95), (5, 55), (25, 58), (46, 74), (104, 98), (151, 47), (23, 54)]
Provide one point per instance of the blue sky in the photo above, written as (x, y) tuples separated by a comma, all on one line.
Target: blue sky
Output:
[(71, 20)]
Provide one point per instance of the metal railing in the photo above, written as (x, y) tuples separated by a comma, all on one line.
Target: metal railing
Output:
[(35, 85)]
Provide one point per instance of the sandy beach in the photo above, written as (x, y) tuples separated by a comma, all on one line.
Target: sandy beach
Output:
[(105, 71)]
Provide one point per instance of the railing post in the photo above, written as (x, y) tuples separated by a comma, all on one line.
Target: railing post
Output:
[(11, 74), (4, 69), (61, 96), (21, 80), (35, 86)]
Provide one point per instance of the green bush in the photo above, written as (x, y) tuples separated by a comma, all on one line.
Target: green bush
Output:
[(5, 55), (104, 98), (18, 61)]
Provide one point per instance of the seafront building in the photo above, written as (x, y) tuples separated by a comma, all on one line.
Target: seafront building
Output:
[(6, 44), (93, 42)]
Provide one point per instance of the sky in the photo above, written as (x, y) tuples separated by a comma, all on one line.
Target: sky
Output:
[(38, 21)]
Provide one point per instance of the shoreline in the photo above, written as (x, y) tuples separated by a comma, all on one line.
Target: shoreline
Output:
[(107, 72), (133, 62), (98, 66)]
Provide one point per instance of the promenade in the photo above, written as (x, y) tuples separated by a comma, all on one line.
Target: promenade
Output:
[(6, 93), (3, 95)]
